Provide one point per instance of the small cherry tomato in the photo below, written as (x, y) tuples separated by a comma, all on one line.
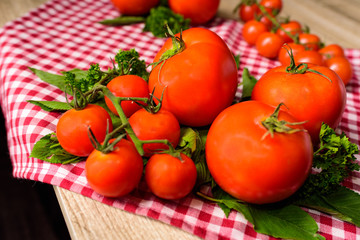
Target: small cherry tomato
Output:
[(273, 6), (269, 44), (135, 7), (310, 41), (309, 56), (199, 11), (284, 56), (116, 173), (292, 27), (332, 50), (252, 30), (252, 165), (72, 129), (155, 126), (248, 12), (169, 177), (127, 86), (341, 66)]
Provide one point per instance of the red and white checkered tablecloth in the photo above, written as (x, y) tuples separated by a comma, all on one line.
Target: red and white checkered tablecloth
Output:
[(64, 34)]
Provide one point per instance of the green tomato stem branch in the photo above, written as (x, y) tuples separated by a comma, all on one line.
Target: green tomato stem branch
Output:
[(276, 23)]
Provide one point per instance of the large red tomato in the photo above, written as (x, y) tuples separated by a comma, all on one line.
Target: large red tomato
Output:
[(253, 166), (135, 7), (308, 96), (72, 129), (116, 173), (199, 82), (199, 11)]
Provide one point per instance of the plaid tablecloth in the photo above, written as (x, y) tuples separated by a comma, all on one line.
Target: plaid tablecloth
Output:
[(64, 34)]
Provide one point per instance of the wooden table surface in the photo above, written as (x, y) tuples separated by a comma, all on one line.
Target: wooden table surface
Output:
[(334, 21)]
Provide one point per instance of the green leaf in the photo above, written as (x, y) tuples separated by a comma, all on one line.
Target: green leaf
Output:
[(335, 160), (51, 105), (160, 16), (237, 60), (343, 204), (248, 82), (55, 79), (48, 149), (188, 139), (129, 63), (123, 20), (289, 222)]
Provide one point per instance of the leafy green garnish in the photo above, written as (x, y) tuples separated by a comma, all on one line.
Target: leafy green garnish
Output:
[(51, 106), (161, 16), (248, 82), (129, 63), (48, 149), (335, 159)]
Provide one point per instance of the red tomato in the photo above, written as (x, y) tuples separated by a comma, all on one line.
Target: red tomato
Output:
[(72, 129), (332, 50), (310, 41), (168, 177), (252, 30), (248, 12), (135, 7), (284, 56), (127, 86), (117, 173), (342, 67), (292, 27), (251, 167), (308, 97), (309, 56), (200, 81), (269, 44), (152, 126), (199, 11), (273, 6)]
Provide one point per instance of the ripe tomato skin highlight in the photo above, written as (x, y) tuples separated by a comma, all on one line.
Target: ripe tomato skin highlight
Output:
[(150, 126), (252, 168), (117, 173), (283, 55), (272, 5), (72, 129), (169, 177), (308, 97), (199, 11), (127, 86), (342, 67), (309, 56), (252, 30), (135, 7), (269, 44), (200, 81)]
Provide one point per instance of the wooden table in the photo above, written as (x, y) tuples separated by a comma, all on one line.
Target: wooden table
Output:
[(333, 20)]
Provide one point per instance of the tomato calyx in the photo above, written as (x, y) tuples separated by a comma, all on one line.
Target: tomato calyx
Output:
[(79, 101), (178, 46), (273, 124), (300, 68)]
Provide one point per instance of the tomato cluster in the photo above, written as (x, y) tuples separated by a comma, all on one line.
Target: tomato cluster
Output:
[(259, 151), (263, 30)]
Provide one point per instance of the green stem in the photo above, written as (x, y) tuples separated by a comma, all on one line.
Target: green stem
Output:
[(276, 23), (124, 120)]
